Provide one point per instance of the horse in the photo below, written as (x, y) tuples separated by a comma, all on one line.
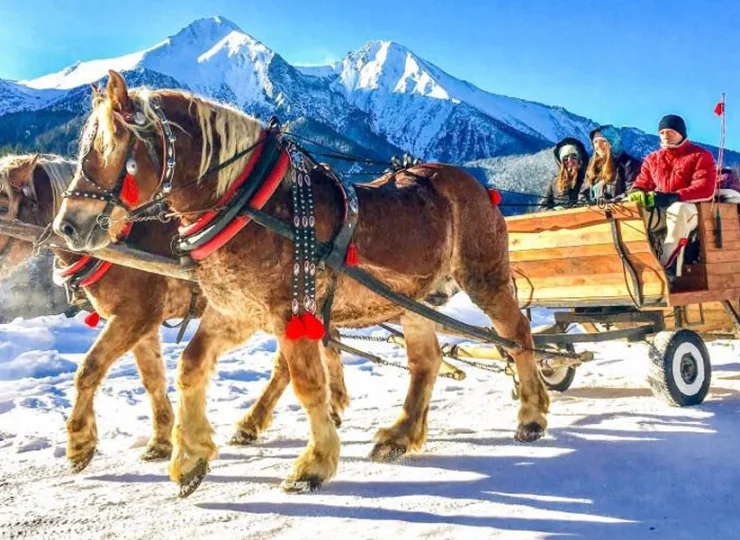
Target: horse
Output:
[(134, 304), (417, 229)]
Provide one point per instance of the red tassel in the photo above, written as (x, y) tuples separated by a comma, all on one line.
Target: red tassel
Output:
[(295, 329), (314, 328), (130, 190), (495, 196), (351, 258), (92, 319)]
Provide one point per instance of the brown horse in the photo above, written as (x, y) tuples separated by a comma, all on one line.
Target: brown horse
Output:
[(415, 232), (134, 303)]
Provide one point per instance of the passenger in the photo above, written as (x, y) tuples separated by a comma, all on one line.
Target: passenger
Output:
[(675, 177), (571, 157), (611, 171), (729, 186)]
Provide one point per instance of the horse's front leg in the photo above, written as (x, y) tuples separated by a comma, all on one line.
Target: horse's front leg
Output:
[(308, 374), (119, 335), (192, 443)]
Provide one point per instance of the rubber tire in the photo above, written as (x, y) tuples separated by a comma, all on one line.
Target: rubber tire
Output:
[(662, 376), (561, 380)]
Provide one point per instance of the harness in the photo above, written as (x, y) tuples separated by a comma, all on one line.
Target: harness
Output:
[(125, 192)]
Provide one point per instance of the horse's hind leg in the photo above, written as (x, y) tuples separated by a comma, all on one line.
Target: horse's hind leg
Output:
[(192, 442), (118, 336), (148, 355), (496, 300), (259, 416), (409, 432)]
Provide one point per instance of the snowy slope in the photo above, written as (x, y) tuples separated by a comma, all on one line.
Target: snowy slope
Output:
[(616, 463), (15, 97)]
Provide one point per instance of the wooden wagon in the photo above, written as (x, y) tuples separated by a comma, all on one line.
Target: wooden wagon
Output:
[(598, 265)]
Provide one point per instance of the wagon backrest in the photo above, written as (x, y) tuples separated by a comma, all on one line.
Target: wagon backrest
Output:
[(570, 258)]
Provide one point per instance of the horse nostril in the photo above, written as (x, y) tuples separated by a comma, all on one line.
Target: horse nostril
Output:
[(67, 229)]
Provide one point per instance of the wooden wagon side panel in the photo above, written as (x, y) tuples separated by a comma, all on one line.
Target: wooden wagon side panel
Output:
[(570, 258)]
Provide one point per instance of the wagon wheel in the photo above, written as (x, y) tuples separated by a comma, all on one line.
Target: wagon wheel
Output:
[(680, 372), (559, 379)]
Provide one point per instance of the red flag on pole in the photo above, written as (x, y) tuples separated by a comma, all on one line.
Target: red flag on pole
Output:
[(719, 109)]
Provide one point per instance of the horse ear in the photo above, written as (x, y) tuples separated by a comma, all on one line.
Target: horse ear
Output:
[(34, 160), (117, 92)]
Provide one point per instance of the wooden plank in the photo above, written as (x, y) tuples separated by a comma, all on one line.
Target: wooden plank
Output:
[(723, 281), (723, 256), (583, 266), (595, 234), (548, 254), (700, 297), (571, 218), (719, 268), (726, 246), (728, 235), (585, 292)]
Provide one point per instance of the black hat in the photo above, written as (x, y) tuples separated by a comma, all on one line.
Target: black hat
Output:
[(674, 122)]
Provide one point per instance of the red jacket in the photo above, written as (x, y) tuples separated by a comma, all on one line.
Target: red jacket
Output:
[(687, 170)]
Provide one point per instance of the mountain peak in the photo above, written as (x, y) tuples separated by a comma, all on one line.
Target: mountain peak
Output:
[(210, 24)]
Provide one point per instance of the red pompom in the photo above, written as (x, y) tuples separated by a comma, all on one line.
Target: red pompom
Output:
[(314, 328), (129, 190), (495, 196), (351, 258), (295, 329), (92, 320)]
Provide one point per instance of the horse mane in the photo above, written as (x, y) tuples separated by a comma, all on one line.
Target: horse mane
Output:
[(224, 129), (59, 170)]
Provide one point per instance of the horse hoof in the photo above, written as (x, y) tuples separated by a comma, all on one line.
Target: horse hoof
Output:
[(387, 452), (156, 453), (529, 432), (190, 481), (243, 438), (305, 484), (79, 463)]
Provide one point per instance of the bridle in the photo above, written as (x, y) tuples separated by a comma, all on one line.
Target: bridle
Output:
[(117, 196)]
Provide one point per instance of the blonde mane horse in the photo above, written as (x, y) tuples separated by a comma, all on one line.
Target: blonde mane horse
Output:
[(416, 231)]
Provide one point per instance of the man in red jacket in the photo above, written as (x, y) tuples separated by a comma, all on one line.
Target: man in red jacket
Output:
[(674, 177)]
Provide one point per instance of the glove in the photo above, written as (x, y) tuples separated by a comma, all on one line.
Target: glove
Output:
[(663, 200), (638, 196)]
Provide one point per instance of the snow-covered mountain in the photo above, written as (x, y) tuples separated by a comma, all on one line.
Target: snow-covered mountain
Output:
[(379, 100)]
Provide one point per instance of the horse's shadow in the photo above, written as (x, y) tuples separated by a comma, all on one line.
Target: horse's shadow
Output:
[(587, 482)]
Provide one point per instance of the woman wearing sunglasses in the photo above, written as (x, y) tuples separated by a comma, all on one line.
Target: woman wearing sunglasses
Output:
[(571, 157)]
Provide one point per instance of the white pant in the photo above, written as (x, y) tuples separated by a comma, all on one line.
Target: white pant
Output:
[(678, 220)]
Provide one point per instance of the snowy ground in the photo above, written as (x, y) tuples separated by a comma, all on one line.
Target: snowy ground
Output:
[(616, 462)]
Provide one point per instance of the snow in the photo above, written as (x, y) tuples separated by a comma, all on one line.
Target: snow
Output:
[(616, 462)]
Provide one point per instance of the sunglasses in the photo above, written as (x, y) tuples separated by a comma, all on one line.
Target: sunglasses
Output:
[(571, 157)]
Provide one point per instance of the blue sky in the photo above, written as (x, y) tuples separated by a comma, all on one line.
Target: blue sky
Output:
[(626, 62)]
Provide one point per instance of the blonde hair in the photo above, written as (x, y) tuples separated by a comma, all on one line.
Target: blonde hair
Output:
[(600, 168), (233, 129), (59, 170)]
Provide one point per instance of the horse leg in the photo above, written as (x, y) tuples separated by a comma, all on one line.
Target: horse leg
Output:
[(409, 432), (338, 396), (149, 361), (118, 336), (259, 416), (192, 442), (320, 459), (498, 302)]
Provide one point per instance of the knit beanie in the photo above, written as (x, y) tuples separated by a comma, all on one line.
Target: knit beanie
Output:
[(674, 122)]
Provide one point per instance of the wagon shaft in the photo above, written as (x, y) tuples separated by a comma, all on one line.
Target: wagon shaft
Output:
[(117, 254)]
